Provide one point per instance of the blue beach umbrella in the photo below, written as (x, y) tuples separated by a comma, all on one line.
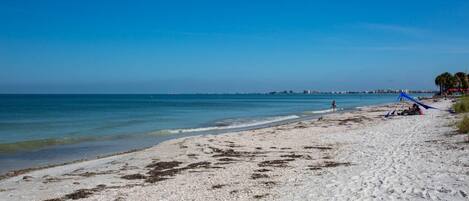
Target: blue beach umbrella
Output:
[(403, 96)]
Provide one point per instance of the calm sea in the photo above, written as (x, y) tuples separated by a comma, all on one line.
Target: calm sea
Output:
[(38, 130)]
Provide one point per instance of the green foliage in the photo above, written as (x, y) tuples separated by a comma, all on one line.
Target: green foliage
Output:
[(463, 126), (447, 80), (462, 106), (461, 80)]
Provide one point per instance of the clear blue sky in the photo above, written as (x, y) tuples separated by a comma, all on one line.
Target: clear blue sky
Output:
[(228, 46)]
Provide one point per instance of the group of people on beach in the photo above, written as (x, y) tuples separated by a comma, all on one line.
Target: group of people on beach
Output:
[(414, 110)]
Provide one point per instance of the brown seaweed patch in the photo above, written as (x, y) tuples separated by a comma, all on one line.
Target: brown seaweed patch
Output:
[(433, 141), (233, 153), (218, 186), (300, 125), (260, 196), (269, 183), (464, 194), (164, 165), (314, 168), (127, 167), (16, 173), (317, 147), (203, 164), (4, 190), (90, 174), (230, 153), (234, 145), (27, 178), (262, 170), (85, 193), (335, 164), (227, 159), (291, 156), (223, 163), (164, 173), (53, 179), (157, 174), (353, 120), (275, 163), (134, 176), (54, 199), (120, 199), (155, 179), (259, 176), (82, 193), (165, 170), (327, 164)]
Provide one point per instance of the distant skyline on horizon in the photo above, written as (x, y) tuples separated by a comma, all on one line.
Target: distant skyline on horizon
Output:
[(277, 92), (229, 47)]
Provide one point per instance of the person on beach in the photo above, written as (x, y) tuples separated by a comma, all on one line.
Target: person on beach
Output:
[(417, 110), (414, 110), (334, 105)]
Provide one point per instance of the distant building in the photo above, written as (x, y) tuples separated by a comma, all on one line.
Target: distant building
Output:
[(376, 91)]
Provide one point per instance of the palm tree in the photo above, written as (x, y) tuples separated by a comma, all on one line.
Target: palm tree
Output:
[(445, 81), (439, 82), (451, 81), (461, 80)]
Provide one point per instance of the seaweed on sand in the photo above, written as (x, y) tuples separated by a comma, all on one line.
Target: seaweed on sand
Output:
[(275, 163)]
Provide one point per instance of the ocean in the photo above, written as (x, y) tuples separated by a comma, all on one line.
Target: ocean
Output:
[(39, 130)]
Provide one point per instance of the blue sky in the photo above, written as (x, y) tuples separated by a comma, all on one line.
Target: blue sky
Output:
[(228, 46)]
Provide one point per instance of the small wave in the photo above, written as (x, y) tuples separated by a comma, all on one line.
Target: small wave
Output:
[(235, 124), (323, 111), (362, 107), (160, 133)]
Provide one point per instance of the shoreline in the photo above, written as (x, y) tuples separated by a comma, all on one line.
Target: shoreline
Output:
[(314, 116), (265, 163)]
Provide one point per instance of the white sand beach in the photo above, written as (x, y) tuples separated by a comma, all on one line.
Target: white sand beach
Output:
[(356, 155)]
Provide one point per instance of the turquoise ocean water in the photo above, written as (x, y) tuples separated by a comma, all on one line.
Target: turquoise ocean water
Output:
[(37, 130)]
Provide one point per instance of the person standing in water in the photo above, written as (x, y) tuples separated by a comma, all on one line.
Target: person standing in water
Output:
[(334, 105)]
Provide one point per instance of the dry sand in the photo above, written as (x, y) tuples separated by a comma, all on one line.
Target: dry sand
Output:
[(355, 155)]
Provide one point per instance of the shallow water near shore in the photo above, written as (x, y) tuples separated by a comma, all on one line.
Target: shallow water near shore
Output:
[(38, 130)]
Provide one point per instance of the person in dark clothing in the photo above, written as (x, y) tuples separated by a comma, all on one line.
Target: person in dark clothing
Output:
[(414, 110)]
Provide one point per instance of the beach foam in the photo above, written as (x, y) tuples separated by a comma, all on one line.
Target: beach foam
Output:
[(323, 111), (235, 124)]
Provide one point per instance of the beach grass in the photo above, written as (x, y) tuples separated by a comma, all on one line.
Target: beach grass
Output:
[(463, 125), (462, 106)]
